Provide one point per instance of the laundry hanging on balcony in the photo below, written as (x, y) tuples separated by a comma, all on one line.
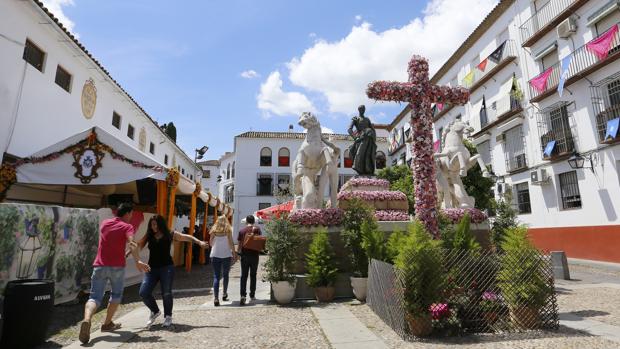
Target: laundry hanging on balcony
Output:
[(612, 129), (482, 65), (549, 149), (564, 73), (601, 45), (539, 83), (497, 55)]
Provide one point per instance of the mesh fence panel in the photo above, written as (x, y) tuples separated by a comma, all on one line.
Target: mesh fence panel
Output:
[(480, 292)]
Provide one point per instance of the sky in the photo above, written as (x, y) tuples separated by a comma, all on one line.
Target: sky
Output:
[(221, 68)]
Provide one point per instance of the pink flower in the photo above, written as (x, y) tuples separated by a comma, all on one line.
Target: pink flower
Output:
[(455, 215), (439, 311), (314, 217), (391, 215), (369, 182)]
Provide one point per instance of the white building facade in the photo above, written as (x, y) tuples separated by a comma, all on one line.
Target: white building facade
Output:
[(44, 72), (528, 140)]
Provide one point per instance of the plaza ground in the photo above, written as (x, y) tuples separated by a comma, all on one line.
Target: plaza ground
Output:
[(588, 304)]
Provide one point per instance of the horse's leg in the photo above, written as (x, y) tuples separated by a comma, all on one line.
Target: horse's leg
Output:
[(464, 200), (462, 164), (478, 159), (322, 184), (332, 170)]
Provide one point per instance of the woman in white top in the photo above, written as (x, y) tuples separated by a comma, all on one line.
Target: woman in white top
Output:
[(222, 256)]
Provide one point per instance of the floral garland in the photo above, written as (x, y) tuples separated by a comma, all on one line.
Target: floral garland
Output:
[(454, 215), (391, 215), (382, 195), (369, 182), (8, 177), (420, 94), (172, 179), (317, 217)]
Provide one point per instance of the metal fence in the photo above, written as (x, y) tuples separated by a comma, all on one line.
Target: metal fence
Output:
[(480, 292)]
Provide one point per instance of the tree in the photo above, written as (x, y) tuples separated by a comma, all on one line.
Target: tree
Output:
[(505, 220), (479, 187), (401, 179)]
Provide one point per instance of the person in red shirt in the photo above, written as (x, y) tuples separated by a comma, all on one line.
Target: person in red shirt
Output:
[(249, 260), (109, 265)]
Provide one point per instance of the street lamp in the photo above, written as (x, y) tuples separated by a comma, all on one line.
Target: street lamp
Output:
[(29, 249), (577, 161), (200, 153)]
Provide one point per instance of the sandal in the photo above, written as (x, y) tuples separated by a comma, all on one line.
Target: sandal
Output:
[(110, 327), (85, 332)]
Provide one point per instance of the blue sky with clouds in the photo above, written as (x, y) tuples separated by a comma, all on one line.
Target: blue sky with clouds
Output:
[(219, 68)]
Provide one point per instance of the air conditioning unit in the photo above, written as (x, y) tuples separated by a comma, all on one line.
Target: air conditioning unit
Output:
[(567, 28), (539, 176)]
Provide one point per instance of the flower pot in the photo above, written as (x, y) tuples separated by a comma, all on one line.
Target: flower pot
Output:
[(525, 317), (283, 291), (420, 326), (324, 294), (359, 285), (490, 317)]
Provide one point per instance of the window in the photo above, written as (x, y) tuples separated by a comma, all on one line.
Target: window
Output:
[(263, 205), (265, 157), (152, 148), (228, 171), (284, 182), (229, 194), (484, 149), (165, 159), (348, 162), (34, 55), (130, 131), (549, 59), (569, 190), (206, 174), (523, 198), (116, 120), (264, 185), (63, 79), (607, 22), (191, 177), (381, 160), (232, 174), (514, 149), (183, 171), (556, 138), (284, 157)]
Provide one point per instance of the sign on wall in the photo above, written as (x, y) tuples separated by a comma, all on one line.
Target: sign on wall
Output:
[(89, 98)]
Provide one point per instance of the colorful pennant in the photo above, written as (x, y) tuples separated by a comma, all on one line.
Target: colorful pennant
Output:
[(468, 80), (601, 45), (482, 65), (539, 83), (497, 55), (564, 73)]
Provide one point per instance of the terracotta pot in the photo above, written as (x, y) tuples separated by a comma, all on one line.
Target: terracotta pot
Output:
[(324, 294), (283, 291), (420, 326), (490, 317), (360, 286), (525, 317)]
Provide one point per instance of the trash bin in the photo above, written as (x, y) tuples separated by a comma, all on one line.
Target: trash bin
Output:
[(28, 306)]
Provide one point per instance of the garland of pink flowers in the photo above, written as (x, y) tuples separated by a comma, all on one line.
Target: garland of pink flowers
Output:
[(383, 195), (327, 217), (391, 215), (454, 215), (420, 94), (369, 182)]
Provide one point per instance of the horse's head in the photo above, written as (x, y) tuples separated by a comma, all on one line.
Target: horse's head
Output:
[(461, 127), (307, 120)]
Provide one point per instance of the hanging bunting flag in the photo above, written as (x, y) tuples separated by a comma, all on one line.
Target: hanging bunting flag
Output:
[(483, 113), (436, 146), (612, 129), (564, 73), (601, 45), (468, 80), (539, 83), (497, 55), (482, 65)]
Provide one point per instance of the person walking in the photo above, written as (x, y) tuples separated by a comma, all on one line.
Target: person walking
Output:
[(109, 265), (158, 239), (249, 260), (222, 256)]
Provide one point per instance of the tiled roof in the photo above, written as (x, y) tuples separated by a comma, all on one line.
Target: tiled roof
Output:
[(296, 135), (79, 44)]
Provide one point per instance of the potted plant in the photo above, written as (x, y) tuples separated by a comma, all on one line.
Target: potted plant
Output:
[(524, 285), (490, 306), (358, 224), (419, 262), (282, 244), (321, 270)]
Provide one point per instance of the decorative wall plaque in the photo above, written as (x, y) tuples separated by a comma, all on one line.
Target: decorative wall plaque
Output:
[(86, 162), (89, 98)]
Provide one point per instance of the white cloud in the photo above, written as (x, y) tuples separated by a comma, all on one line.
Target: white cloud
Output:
[(358, 18), (55, 7), (273, 100), (323, 130), (249, 74), (341, 70), (312, 35)]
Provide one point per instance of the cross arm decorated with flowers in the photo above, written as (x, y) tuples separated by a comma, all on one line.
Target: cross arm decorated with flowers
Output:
[(420, 94)]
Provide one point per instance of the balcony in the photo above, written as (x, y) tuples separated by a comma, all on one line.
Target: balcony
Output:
[(514, 150), (546, 19), (557, 136), (498, 112), (606, 103), (505, 53)]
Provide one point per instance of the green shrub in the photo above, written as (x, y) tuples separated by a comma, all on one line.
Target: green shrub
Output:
[(320, 261), (373, 242), (522, 278), (394, 245), (401, 179), (506, 219), (282, 245), (355, 216), (459, 237), (420, 263)]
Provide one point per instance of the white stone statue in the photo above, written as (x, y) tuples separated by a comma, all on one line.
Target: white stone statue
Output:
[(315, 157), (452, 163)]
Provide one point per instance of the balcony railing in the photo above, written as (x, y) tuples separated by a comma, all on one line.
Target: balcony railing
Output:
[(498, 109), (603, 117), (508, 53), (582, 61), (557, 136), (543, 17), (606, 103), (514, 149)]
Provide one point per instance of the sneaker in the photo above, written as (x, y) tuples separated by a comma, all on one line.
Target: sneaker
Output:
[(110, 327), (252, 298), (85, 332), (152, 318), (225, 297), (167, 321), (216, 302), (242, 301)]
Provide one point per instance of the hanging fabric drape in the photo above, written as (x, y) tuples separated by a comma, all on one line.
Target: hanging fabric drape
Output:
[(539, 83), (601, 45), (192, 224), (203, 258)]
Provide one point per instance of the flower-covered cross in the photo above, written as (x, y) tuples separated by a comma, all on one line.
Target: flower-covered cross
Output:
[(420, 94)]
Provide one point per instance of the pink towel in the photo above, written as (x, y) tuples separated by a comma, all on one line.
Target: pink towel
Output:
[(539, 83), (600, 46)]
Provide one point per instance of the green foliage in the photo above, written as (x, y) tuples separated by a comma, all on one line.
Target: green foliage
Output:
[(479, 187), (373, 242), (320, 261), (355, 216), (9, 218), (505, 219), (419, 261), (88, 238), (282, 245), (401, 179), (394, 244), (459, 237), (522, 278)]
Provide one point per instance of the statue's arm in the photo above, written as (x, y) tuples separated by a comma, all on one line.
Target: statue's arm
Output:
[(353, 125)]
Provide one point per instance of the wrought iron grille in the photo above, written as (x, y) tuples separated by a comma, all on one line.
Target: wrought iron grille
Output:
[(543, 16), (554, 125), (606, 102), (481, 292), (514, 149), (569, 188), (523, 198)]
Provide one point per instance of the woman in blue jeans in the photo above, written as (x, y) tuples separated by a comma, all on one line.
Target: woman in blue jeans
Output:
[(222, 256), (159, 239)]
